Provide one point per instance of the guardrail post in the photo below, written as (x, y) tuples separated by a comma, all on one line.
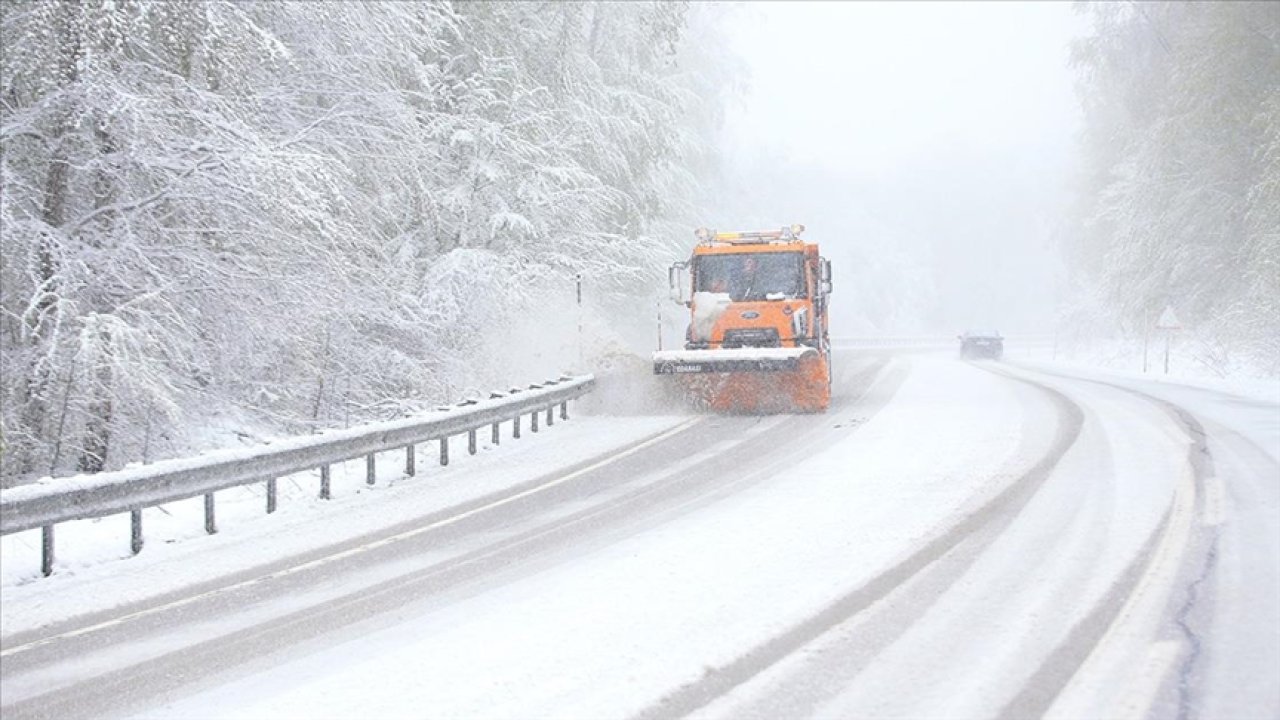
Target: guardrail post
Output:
[(200, 478), (497, 433), (210, 526), (46, 550), (370, 468), (135, 531)]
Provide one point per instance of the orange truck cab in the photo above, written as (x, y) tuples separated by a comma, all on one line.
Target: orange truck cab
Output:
[(757, 338)]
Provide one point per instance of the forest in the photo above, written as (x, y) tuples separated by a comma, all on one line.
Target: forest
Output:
[(319, 213), (1179, 197), (223, 221)]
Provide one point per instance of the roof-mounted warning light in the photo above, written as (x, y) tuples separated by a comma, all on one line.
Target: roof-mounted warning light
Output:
[(793, 232), (788, 234)]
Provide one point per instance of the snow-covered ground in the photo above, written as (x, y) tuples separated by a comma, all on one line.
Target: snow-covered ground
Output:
[(654, 610), (1191, 362), (790, 566), (95, 570), (1231, 611)]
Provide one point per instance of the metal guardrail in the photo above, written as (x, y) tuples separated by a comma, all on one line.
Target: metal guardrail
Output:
[(132, 489)]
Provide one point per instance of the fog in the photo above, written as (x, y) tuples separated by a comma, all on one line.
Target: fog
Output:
[(372, 359), (927, 146), (294, 216)]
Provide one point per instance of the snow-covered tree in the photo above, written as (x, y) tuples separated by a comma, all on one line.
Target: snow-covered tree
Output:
[(1179, 202), (313, 213)]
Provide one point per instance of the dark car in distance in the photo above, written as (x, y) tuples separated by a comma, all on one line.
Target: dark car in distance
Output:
[(981, 344)]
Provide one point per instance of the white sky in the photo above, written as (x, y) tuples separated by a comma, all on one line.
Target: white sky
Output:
[(947, 129), (871, 85)]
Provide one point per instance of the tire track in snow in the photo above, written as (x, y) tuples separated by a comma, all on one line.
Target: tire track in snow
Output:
[(675, 491), (1166, 543), (998, 511)]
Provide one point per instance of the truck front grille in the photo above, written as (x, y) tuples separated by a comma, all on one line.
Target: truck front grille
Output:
[(751, 337)]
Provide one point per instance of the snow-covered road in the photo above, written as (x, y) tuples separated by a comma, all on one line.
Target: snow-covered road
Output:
[(951, 539)]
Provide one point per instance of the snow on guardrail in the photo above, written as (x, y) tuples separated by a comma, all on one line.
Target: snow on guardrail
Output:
[(57, 500)]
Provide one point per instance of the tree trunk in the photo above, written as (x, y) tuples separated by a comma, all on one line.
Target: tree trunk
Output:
[(35, 387), (97, 429)]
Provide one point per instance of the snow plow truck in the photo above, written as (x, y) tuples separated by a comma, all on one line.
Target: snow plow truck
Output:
[(757, 338)]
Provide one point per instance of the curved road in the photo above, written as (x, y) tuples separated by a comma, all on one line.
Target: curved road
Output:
[(958, 540)]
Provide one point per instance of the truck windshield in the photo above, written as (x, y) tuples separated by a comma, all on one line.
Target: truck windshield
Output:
[(751, 276)]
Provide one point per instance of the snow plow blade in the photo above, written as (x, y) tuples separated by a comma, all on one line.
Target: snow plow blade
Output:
[(732, 360), (750, 380)]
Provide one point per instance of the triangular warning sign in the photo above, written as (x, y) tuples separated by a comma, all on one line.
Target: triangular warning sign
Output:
[(1168, 321)]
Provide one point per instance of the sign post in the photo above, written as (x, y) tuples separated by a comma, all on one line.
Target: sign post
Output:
[(581, 351), (1168, 322)]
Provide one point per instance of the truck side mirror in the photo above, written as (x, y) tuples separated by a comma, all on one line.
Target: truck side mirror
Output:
[(677, 281), (825, 276)]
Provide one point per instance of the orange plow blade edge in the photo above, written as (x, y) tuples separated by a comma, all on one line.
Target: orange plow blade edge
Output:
[(751, 380)]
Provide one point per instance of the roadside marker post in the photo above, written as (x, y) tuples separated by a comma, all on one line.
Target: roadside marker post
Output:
[(1169, 323)]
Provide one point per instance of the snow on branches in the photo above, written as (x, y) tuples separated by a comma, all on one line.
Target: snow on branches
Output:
[(1182, 189), (311, 212)]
